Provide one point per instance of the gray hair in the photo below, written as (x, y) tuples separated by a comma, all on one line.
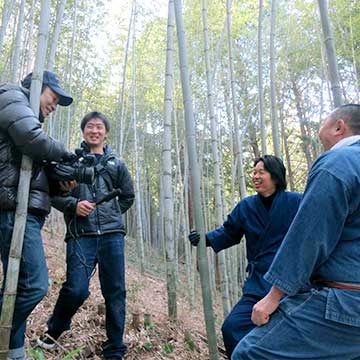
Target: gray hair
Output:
[(350, 113)]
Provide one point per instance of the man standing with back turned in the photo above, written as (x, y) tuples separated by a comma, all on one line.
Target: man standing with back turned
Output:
[(21, 133), (318, 263)]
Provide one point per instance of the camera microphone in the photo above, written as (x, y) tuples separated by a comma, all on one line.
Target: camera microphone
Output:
[(112, 194)]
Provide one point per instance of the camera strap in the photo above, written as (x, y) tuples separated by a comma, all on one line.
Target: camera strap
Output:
[(101, 170)]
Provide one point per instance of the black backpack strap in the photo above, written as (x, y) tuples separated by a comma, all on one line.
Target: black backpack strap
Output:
[(100, 169)]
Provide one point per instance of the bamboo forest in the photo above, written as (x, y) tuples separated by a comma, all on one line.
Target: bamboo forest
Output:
[(193, 93)]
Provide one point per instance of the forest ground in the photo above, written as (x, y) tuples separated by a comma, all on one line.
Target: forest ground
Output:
[(145, 295)]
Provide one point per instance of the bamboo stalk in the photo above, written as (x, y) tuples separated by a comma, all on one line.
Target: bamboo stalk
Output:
[(170, 245), (215, 152), (195, 182), (139, 222), (331, 53)]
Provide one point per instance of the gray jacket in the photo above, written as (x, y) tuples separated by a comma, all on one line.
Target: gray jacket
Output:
[(21, 133)]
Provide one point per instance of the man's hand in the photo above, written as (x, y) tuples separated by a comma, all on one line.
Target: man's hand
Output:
[(84, 208), (265, 307), (67, 185), (194, 237)]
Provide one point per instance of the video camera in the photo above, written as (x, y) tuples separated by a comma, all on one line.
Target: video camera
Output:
[(80, 167)]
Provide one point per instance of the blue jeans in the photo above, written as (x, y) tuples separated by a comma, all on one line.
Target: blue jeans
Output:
[(238, 323), (33, 276), (82, 255), (301, 329)]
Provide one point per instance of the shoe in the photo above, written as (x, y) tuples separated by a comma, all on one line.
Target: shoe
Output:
[(48, 340)]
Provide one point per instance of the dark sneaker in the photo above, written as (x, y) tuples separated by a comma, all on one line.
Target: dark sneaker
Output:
[(48, 340)]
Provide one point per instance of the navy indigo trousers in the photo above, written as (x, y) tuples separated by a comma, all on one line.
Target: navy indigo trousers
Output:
[(238, 323)]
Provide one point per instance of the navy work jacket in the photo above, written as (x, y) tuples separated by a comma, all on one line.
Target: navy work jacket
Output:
[(264, 231)]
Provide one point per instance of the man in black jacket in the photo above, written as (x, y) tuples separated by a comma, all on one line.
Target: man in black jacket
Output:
[(21, 133), (95, 236)]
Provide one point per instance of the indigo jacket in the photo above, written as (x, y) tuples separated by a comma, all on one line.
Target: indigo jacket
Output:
[(264, 231)]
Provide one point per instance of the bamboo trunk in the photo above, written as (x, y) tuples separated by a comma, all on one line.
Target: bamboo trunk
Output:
[(69, 73), (120, 124), (30, 34), (331, 53), (6, 13), (215, 152), (305, 136), (238, 143), (260, 81), (167, 172), (139, 222), (16, 58), (195, 182), (274, 117), (290, 175), (56, 34)]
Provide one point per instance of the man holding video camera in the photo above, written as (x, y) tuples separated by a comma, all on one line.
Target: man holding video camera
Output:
[(95, 236), (21, 133)]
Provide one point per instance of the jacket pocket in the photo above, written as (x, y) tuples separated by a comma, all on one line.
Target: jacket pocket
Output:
[(343, 306)]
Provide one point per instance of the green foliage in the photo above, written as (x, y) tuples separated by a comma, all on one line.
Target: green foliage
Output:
[(345, 17), (168, 348), (133, 290), (71, 354), (189, 341), (38, 354), (148, 346), (148, 324)]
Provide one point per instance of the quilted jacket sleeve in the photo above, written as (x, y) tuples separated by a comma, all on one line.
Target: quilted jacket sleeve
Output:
[(19, 121)]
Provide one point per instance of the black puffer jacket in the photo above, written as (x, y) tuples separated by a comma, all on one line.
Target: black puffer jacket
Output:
[(111, 173), (21, 133)]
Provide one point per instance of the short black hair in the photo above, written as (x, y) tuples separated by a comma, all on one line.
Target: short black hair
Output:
[(350, 113), (95, 115), (275, 166)]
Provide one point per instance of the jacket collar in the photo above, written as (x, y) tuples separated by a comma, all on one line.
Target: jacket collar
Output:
[(346, 142), (107, 148)]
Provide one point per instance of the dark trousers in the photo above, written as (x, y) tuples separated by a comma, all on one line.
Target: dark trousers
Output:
[(33, 276), (82, 255), (238, 323)]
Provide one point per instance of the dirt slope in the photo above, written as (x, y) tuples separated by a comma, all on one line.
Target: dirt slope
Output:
[(145, 295)]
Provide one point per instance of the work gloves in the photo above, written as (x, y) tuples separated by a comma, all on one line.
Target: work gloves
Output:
[(194, 237)]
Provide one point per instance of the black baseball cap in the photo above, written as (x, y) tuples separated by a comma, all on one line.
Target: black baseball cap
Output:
[(51, 80)]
